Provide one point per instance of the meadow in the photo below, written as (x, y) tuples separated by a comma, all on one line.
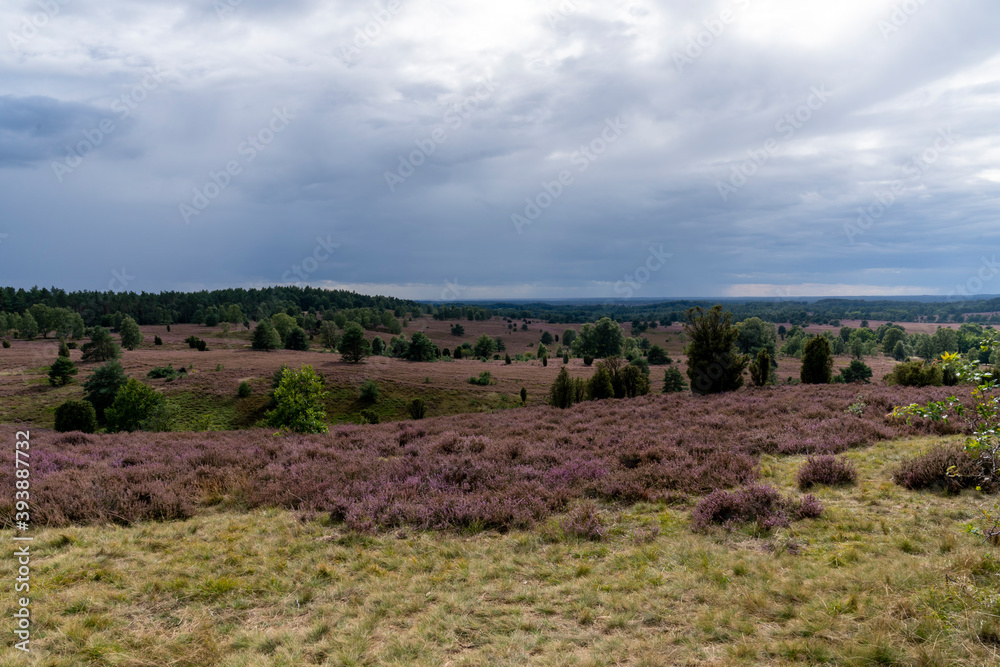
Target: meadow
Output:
[(490, 532)]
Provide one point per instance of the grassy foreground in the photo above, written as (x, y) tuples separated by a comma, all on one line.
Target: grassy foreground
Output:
[(886, 576)]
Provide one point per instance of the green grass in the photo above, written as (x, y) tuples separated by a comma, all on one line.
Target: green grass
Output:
[(886, 576)]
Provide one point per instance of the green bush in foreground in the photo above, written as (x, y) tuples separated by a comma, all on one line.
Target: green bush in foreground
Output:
[(299, 402)]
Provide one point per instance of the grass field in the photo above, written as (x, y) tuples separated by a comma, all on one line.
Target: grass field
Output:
[(886, 576)]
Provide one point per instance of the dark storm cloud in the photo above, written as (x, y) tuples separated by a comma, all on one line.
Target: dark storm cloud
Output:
[(746, 139)]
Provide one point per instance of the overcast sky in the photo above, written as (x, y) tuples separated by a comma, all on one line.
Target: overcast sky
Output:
[(443, 149)]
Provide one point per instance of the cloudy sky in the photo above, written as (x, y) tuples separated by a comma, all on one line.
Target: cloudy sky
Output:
[(441, 149)]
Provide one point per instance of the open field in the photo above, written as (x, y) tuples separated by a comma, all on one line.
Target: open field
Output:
[(206, 397), (885, 576)]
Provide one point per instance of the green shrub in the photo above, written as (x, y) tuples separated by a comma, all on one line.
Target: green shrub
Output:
[(244, 390), (506, 359), (63, 348), (167, 373), (299, 402), (6, 343), (673, 381), (369, 391), (369, 416), (657, 356), (130, 334), (297, 340), (524, 395), (103, 385), (587, 360), (101, 347), (817, 362), (915, 374), (857, 371), (137, 407), (485, 379), (76, 416), (61, 372), (562, 392), (265, 337), (417, 408), (157, 340)]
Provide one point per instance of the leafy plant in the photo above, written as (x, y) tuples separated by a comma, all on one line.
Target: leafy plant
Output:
[(299, 402), (369, 391), (76, 416), (857, 408)]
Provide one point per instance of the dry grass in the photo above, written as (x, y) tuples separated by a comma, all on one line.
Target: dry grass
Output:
[(886, 576)]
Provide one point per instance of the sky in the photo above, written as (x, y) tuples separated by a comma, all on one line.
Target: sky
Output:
[(448, 150)]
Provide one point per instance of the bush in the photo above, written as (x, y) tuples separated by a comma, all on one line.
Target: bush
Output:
[(298, 402), (369, 416), (103, 385), (714, 364), (157, 340), (948, 468), (196, 343), (61, 372), (6, 343), (244, 390), (417, 408), (826, 470), (506, 359), (265, 337), (545, 360), (760, 504), (657, 356), (857, 371), (587, 360), (136, 407), (524, 395), (354, 347), (369, 391), (817, 362), (76, 416), (563, 392), (760, 368), (101, 347), (673, 381), (584, 522), (130, 334), (915, 374), (297, 340), (63, 348), (484, 380), (164, 373)]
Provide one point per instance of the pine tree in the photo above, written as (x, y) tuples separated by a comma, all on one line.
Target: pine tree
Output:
[(561, 394), (714, 365), (817, 362)]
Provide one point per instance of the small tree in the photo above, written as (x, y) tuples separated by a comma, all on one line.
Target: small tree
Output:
[(562, 393), (485, 346), (600, 386), (760, 368), (130, 334), (857, 371), (633, 381), (899, 351), (297, 340), (657, 356), (101, 347), (817, 362), (369, 391), (63, 348), (673, 381), (354, 347), (61, 372), (714, 365), (547, 338), (298, 402), (457, 330), (157, 340), (329, 336), (265, 337), (524, 395), (244, 390), (421, 348), (76, 416), (135, 406), (103, 385), (506, 359)]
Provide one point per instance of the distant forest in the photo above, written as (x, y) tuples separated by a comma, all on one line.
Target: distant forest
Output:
[(255, 304)]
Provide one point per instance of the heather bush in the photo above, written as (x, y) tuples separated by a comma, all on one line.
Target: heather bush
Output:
[(826, 470), (76, 416), (584, 522), (244, 390), (948, 468), (758, 504)]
